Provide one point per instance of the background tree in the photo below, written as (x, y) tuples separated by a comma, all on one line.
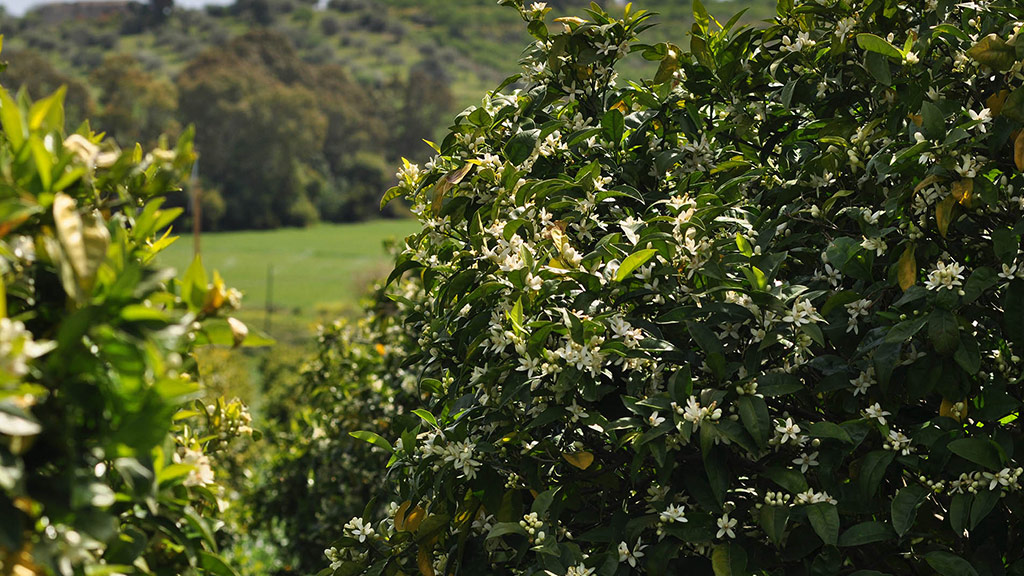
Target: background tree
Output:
[(134, 105)]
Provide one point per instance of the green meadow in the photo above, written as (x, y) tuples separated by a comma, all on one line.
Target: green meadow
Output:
[(314, 273)]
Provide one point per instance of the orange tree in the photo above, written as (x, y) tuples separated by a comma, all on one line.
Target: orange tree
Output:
[(761, 313), (104, 466)]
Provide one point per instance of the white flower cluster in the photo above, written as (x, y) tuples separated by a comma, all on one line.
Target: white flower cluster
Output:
[(945, 276), (1006, 480), (17, 348), (201, 473), (533, 524), (359, 529), (696, 414), (812, 497)]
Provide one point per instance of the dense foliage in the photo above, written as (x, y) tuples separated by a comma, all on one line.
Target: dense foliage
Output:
[(105, 466), (316, 474), (759, 314)]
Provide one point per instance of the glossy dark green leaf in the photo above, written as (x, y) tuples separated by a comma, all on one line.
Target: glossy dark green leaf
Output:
[(979, 450), (904, 507), (824, 518), (866, 533), (949, 564)]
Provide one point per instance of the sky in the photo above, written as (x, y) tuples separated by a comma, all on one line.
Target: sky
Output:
[(18, 7)]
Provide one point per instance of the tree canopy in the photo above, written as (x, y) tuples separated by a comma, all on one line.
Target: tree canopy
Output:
[(759, 313)]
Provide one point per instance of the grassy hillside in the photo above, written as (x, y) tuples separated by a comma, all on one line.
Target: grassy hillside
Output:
[(475, 43)]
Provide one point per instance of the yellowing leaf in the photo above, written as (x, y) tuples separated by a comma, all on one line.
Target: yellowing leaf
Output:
[(926, 183), (1018, 151), (994, 52), (916, 119), (995, 102), (721, 560), (944, 213), (963, 191), (84, 241), (949, 409), (581, 460), (414, 519), (400, 515), (424, 561), (571, 20), (906, 269), (557, 233)]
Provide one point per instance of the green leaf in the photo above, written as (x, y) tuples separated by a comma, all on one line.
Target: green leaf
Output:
[(878, 67), (632, 262), (968, 355), (515, 316), (791, 480), (1013, 108), (214, 565), (426, 416), (773, 521), (866, 533), (829, 430), (502, 528), (743, 245), (824, 519), (521, 146), (613, 123), (949, 564), (878, 45), (43, 160), (195, 284), (943, 331), (905, 330), (1005, 244), (872, 470), (48, 113), (983, 503), (933, 121), (754, 414), (372, 438), (11, 120), (979, 450), (728, 559), (543, 501), (391, 194), (904, 507)]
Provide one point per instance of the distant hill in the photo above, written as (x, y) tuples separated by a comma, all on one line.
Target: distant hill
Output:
[(303, 108)]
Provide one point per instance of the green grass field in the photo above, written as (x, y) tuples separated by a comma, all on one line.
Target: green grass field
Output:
[(318, 273)]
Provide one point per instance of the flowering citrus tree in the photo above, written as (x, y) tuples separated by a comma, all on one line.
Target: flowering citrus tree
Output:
[(105, 468), (761, 313)]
